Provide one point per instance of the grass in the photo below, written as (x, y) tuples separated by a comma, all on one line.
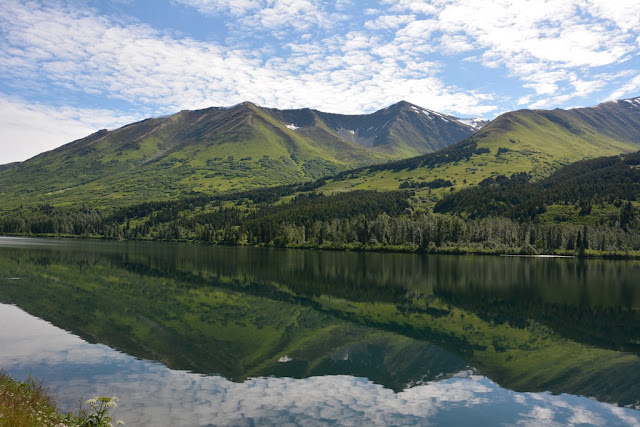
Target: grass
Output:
[(30, 404), (167, 158)]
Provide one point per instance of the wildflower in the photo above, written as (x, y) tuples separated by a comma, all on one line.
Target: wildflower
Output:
[(112, 402)]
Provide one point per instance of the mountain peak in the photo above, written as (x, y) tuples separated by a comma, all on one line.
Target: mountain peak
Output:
[(400, 105)]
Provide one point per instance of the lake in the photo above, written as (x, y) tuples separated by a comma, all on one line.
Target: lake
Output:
[(199, 335)]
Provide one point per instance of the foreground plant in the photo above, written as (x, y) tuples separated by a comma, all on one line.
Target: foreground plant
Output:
[(100, 412), (29, 404)]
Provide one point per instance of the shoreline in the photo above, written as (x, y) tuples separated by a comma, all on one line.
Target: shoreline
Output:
[(442, 250)]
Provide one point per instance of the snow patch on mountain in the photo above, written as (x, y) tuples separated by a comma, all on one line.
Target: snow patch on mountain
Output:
[(476, 122)]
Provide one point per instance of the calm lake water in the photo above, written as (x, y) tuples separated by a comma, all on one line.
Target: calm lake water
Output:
[(194, 335)]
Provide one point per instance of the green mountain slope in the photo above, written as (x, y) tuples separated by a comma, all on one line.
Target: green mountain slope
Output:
[(219, 149), (532, 141), (587, 188)]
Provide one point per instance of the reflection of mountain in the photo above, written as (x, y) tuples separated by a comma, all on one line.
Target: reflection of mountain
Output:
[(195, 321), (251, 312)]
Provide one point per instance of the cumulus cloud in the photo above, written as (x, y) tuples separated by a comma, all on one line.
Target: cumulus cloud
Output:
[(215, 7), (300, 15), (544, 43), (76, 49), (632, 86)]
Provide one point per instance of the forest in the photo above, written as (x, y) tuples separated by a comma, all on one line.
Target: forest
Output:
[(584, 209), (611, 180)]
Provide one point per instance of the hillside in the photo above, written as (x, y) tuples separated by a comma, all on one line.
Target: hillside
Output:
[(536, 142), (590, 192), (220, 149)]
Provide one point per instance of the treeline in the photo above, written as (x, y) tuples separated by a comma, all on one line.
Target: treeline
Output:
[(177, 220), (433, 232), (613, 180), (361, 220)]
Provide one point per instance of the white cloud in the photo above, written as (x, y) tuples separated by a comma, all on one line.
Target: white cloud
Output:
[(623, 13), (301, 15), (557, 50), (544, 43), (524, 100), (135, 63), (215, 7), (455, 43), (388, 22), (632, 88)]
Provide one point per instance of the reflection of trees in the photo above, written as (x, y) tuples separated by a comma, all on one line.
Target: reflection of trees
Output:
[(207, 322), (237, 310)]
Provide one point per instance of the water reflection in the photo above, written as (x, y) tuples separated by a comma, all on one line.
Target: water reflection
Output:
[(399, 320), (152, 394)]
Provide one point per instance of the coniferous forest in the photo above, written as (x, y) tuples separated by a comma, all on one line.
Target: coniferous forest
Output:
[(586, 208)]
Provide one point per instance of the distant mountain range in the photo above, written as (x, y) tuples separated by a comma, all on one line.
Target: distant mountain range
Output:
[(221, 149), (537, 142)]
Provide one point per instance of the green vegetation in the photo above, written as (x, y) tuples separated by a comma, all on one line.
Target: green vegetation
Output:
[(359, 220), (536, 142), (494, 193), (29, 404), (604, 188), (213, 151)]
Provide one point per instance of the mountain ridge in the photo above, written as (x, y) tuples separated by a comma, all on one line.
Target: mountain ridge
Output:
[(218, 149), (536, 142)]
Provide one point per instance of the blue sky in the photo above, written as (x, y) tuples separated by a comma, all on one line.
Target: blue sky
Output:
[(68, 68)]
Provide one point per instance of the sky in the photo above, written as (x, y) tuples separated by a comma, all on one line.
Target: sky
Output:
[(71, 67)]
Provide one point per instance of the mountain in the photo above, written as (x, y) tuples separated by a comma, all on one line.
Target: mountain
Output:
[(536, 142), (220, 149), (401, 130)]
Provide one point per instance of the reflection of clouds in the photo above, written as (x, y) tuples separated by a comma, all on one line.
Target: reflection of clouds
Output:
[(536, 416), (152, 394)]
